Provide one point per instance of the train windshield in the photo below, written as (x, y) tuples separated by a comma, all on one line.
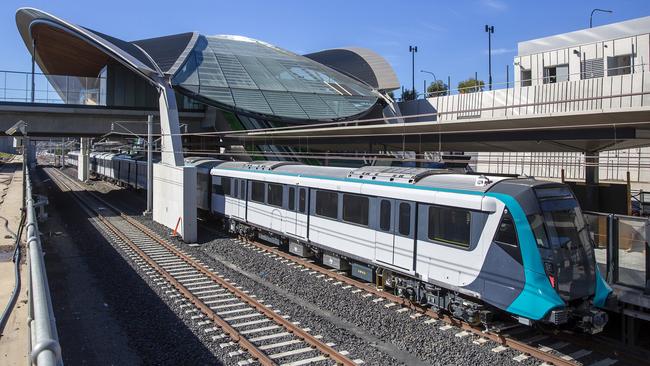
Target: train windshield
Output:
[(565, 225), (569, 251)]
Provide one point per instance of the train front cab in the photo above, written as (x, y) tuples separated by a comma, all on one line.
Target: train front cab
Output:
[(562, 281)]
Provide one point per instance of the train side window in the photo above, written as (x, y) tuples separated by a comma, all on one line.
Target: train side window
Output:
[(450, 225), (226, 184), (236, 184), (327, 204), (404, 227), (302, 200), (385, 215), (217, 189), (242, 189), (355, 209), (506, 232), (274, 196), (257, 192), (292, 199)]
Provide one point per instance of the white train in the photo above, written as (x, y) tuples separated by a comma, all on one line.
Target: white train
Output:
[(473, 245)]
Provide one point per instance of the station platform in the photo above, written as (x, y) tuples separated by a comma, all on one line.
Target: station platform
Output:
[(14, 338)]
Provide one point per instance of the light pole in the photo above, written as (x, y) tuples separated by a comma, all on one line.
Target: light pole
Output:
[(413, 50), (490, 31), (434, 80), (592, 15)]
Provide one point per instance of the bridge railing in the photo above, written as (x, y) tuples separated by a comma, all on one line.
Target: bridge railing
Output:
[(18, 87), (44, 349), (621, 246), (543, 96)]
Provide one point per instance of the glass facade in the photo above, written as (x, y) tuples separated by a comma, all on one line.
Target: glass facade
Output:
[(252, 76)]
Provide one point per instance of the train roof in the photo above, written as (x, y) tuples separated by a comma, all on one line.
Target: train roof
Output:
[(422, 177)]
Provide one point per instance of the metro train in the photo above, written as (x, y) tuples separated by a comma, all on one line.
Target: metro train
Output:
[(476, 246)]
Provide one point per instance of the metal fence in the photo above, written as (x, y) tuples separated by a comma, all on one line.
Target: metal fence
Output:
[(17, 87), (44, 340), (621, 246)]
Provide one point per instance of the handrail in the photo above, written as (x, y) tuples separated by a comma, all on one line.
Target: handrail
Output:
[(44, 348)]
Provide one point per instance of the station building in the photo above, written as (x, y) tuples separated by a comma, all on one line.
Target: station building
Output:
[(237, 82)]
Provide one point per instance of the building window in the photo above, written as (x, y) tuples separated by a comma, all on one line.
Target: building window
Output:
[(292, 198), (619, 65), (327, 204), (404, 227), (355, 209), (556, 74), (302, 200), (526, 77), (594, 68), (257, 192), (226, 184), (385, 215), (274, 195), (450, 225), (506, 233)]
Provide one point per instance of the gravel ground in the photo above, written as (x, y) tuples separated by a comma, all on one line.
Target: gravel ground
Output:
[(368, 330), (152, 328)]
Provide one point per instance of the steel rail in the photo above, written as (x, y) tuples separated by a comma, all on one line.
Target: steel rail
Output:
[(504, 340), (243, 296)]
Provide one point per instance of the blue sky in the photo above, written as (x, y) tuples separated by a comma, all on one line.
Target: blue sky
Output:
[(449, 34)]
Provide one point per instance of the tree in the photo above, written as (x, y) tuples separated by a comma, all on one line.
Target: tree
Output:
[(470, 85), (437, 88), (409, 94)]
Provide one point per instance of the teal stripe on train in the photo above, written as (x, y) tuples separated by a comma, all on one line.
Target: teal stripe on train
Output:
[(538, 296)]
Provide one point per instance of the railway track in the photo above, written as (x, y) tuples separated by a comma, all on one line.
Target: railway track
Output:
[(263, 335), (551, 348)]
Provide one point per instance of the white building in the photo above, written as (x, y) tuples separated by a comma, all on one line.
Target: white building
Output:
[(606, 54)]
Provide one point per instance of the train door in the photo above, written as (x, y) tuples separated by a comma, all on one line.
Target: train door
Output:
[(302, 217), (292, 214), (242, 198), (404, 234), (384, 235)]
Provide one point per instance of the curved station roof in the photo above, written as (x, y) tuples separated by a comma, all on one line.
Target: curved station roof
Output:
[(234, 73)]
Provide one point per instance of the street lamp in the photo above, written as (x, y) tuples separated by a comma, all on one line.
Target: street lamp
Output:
[(490, 31), (597, 10), (413, 50), (434, 80)]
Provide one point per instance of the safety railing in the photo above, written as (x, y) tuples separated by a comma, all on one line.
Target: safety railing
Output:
[(575, 94), (18, 87), (44, 340), (621, 247)]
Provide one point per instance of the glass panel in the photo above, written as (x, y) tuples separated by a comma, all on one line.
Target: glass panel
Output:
[(257, 192), (225, 183), (274, 196), (631, 251), (450, 225), (355, 209), (506, 232), (292, 198), (302, 201), (385, 215), (404, 227), (327, 204)]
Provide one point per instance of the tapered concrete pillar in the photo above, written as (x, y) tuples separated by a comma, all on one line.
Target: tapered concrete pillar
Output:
[(174, 184), (84, 159)]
